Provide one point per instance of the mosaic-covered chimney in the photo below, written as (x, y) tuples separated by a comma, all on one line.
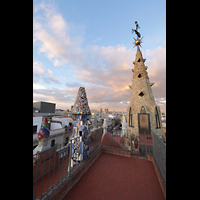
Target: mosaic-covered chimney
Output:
[(81, 113), (81, 104), (43, 137)]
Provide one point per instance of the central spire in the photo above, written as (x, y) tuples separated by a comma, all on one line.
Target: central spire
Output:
[(143, 115)]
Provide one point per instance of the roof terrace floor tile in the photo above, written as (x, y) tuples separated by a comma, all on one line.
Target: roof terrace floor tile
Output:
[(118, 177)]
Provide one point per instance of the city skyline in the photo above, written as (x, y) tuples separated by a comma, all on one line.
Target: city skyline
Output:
[(89, 44)]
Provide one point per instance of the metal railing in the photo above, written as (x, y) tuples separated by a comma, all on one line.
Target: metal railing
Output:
[(51, 167), (114, 139), (95, 139), (159, 154), (142, 145), (138, 145)]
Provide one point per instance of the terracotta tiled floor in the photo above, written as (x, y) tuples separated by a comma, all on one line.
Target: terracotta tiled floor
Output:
[(114, 177)]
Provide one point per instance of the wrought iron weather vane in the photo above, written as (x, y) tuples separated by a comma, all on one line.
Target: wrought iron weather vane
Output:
[(138, 41)]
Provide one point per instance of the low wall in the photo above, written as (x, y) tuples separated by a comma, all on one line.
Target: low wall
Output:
[(159, 174), (63, 187), (116, 151), (61, 190), (96, 134), (43, 163)]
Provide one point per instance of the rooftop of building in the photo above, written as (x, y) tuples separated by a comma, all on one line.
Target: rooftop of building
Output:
[(118, 177), (110, 172)]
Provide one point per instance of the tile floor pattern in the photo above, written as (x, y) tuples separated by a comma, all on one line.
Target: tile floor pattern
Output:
[(114, 177)]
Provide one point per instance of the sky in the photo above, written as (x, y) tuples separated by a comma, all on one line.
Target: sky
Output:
[(88, 43)]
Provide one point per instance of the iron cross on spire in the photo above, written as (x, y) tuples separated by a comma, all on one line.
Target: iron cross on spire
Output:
[(138, 41), (136, 30)]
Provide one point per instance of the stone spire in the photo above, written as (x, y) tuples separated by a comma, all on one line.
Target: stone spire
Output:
[(105, 126), (124, 125), (140, 80), (95, 124), (143, 115)]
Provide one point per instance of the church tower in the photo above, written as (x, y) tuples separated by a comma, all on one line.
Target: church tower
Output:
[(143, 115)]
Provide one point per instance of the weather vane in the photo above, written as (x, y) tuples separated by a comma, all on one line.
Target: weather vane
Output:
[(138, 41)]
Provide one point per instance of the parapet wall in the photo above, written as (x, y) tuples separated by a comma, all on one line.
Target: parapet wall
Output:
[(158, 173), (96, 134), (44, 162), (70, 181)]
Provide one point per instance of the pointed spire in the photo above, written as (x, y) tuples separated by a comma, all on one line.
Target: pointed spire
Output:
[(124, 124), (138, 49), (105, 125), (95, 125)]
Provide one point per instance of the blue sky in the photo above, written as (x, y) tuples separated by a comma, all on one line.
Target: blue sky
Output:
[(89, 43)]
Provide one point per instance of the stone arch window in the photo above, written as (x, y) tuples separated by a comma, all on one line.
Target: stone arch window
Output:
[(142, 110), (130, 118), (157, 118), (140, 75), (139, 60)]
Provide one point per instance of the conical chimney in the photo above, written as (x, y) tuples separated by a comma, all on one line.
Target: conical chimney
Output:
[(81, 104)]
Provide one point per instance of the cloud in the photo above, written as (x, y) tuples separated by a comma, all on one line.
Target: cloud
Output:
[(51, 34), (38, 68), (110, 68), (105, 71), (156, 62), (57, 23), (57, 95), (38, 86), (58, 63), (107, 74), (42, 75), (162, 103), (73, 84)]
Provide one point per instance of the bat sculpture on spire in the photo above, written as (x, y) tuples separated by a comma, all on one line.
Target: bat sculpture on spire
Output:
[(138, 41)]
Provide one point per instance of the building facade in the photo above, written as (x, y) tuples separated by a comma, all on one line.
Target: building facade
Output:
[(44, 107)]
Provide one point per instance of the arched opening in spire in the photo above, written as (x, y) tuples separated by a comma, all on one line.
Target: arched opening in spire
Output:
[(142, 110), (157, 118), (130, 117)]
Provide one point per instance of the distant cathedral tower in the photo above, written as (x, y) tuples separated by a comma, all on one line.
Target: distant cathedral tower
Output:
[(143, 115)]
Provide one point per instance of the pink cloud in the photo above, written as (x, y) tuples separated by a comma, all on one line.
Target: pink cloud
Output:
[(105, 72)]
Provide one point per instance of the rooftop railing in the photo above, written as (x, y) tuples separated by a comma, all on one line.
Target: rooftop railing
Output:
[(51, 167), (159, 154), (142, 145)]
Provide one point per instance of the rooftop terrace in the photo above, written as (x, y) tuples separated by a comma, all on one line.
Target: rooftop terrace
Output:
[(110, 172), (118, 177)]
